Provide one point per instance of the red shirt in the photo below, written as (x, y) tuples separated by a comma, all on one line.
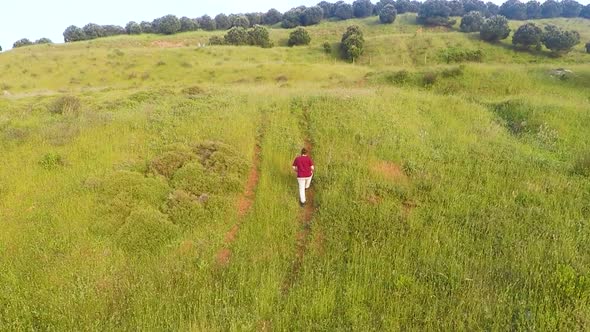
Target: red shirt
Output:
[(303, 164)]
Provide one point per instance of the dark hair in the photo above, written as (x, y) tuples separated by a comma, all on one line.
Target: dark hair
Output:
[(304, 151)]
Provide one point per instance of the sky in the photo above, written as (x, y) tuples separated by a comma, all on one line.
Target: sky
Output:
[(34, 19)]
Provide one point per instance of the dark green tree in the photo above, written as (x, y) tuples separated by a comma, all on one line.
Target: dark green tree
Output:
[(382, 3), (167, 25), (559, 41), (272, 17), (514, 10), (352, 43), (73, 33), (43, 41), (327, 8), (362, 8), (491, 9), (570, 8), (585, 13), (388, 14), (207, 23), (312, 15), (342, 10), (474, 6), (292, 18), (299, 36), (258, 36), (456, 8), (527, 35), (188, 24), (435, 12), (113, 30), (533, 9), (93, 31), (471, 22), (237, 36), (494, 28), (254, 18), (587, 47), (133, 28), (550, 9), (21, 43), (239, 21), (222, 22), (146, 27), (403, 6)]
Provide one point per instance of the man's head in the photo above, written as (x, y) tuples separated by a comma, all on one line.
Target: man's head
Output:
[(304, 151)]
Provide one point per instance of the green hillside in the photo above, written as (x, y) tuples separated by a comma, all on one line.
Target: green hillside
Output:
[(146, 184)]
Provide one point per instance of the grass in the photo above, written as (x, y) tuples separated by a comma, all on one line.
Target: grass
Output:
[(449, 196)]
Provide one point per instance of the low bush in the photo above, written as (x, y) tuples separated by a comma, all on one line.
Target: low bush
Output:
[(299, 36), (65, 105), (216, 40), (527, 35), (352, 43), (146, 230), (328, 47), (51, 161), (471, 22), (494, 29), (429, 78), (399, 77), (169, 162), (453, 54), (186, 209), (559, 41)]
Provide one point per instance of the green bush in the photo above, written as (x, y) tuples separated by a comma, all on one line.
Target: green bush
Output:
[(362, 8), (299, 37), (352, 43), (471, 22), (146, 27), (527, 35), (22, 42), (328, 47), (236, 36), (494, 29), (167, 25), (559, 41), (188, 24), (133, 28), (343, 10), (258, 36), (435, 12), (67, 105), (73, 33), (311, 15), (43, 41), (146, 230), (272, 17), (454, 54), (429, 78), (93, 31), (186, 209), (387, 14), (51, 161), (169, 162), (399, 77)]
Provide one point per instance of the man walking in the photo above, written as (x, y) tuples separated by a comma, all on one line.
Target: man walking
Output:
[(303, 166)]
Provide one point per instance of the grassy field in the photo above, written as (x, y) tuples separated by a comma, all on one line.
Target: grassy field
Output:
[(449, 195)]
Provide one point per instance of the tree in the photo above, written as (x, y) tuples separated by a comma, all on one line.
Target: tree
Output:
[(146, 27), (403, 6), (474, 6), (292, 18), (494, 28), (456, 8), (188, 24), (527, 35), (471, 22), (239, 21), (272, 17), (254, 18), (43, 41), (550, 8), (514, 10), (133, 28), (167, 25), (258, 36), (113, 30), (362, 8), (207, 23), (435, 12), (73, 33), (533, 9), (222, 22), (93, 31), (237, 36), (342, 10), (312, 15), (585, 13), (352, 43), (327, 8), (414, 6), (387, 14), (382, 3), (570, 8), (559, 41), (21, 43), (299, 37), (492, 9)]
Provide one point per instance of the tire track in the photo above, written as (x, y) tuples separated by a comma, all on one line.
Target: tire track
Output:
[(245, 201)]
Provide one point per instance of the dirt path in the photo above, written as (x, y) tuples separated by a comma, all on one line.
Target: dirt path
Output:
[(245, 202), (306, 216)]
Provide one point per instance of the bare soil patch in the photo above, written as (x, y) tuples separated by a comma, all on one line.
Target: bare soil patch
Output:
[(389, 170)]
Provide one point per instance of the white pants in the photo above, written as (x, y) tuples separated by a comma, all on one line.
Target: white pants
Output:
[(304, 183)]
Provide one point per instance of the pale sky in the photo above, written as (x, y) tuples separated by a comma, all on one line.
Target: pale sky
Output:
[(34, 19)]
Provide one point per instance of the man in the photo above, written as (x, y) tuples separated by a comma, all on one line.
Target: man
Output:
[(303, 166)]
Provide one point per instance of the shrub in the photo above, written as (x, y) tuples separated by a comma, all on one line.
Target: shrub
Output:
[(570, 8), (533, 9), (429, 78), (454, 54), (527, 35), (587, 47), (471, 22), (133, 28), (167, 25), (559, 41), (343, 10), (146, 230), (435, 12), (387, 14), (236, 36), (188, 24), (207, 23), (299, 37), (258, 36), (216, 40), (550, 8), (352, 43), (328, 47), (51, 161), (311, 15), (22, 42), (43, 41), (185, 209), (272, 17), (169, 162), (494, 28), (399, 77), (222, 22), (514, 10), (65, 105), (456, 7), (362, 8)]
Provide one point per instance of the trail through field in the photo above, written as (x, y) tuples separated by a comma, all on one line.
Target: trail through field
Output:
[(303, 236), (245, 202)]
